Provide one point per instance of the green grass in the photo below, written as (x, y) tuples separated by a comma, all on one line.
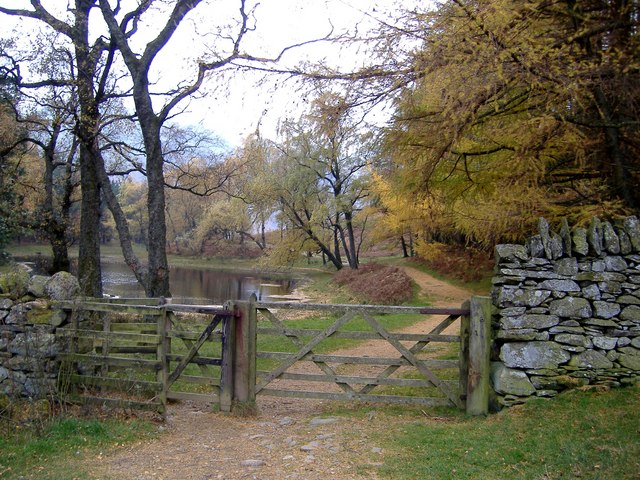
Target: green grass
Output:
[(587, 435), (57, 451)]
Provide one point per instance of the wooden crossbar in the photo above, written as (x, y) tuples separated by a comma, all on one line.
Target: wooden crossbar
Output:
[(194, 349), (295, 338), (416, 348), (306, 349), (406, 353)]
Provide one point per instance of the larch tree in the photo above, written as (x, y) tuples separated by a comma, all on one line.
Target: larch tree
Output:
[(520, 109)]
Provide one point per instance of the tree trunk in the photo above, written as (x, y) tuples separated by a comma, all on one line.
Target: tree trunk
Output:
[(336, 238), (621, 179), (55, 224), (89, 270), (122, 226), (158, 279), (405, 252), (353, 253)]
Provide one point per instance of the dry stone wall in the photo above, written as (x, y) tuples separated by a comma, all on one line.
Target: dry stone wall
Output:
[(567, 310), (28, 344)]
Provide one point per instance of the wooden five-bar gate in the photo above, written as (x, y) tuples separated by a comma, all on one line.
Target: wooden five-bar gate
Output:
[(141, 353)]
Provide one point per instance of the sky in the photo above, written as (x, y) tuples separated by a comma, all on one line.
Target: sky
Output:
[(234, 106)]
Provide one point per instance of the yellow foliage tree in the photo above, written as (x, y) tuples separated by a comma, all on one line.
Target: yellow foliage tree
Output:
[(520, 109)]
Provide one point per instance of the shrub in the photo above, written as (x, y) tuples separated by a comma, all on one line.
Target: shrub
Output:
[(377, 283)]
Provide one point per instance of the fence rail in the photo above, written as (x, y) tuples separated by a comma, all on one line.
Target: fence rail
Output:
[(142, 352)]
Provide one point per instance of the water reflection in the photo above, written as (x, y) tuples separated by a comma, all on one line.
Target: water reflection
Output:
[(189, 285)]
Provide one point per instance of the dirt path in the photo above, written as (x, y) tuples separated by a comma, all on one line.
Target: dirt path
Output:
[(289, 439), (440, 293)]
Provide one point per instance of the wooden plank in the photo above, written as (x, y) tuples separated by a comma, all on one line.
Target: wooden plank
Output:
[(301, 332), (115, 402), (118, 383), (162, 375), (142, 301), (99, 335), (144, 328), (111, 307), (282, 329), (219, 310), (111, 361), (479, 356), (189, 337), (242, 352), (198, 380), (419, 346), (145, 301), (306, 349), (400, 382), (394, 399), (464, 352), (196, 360), (131, 349), (253, 345), (361, 308), (406, 353), (193, 350), (193, 336), (397, 362), (106, 328), (226, 370), (192, 396)]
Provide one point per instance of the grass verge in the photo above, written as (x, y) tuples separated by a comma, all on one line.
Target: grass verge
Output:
[(56, 452), (587, 435)]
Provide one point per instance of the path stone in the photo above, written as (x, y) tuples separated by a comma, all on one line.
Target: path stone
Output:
[(309, 447), (253, 463), (317, 421)]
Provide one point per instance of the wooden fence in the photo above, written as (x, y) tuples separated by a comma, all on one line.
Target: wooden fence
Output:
[(128, 354)]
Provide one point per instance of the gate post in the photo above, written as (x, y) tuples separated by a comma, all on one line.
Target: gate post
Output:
[(227, 382), (162, 352), (463, 359), (244, 365), (479, 356)]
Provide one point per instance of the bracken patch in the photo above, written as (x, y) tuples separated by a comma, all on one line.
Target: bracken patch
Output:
[(377, 283)]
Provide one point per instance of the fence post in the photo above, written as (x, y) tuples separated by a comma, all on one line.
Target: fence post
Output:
[(464, 352), (162, 350), (226, 374), (479, 356), (244, 365)]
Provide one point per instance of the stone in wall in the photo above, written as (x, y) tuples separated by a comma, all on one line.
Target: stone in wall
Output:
[(15, 284), (28, 344), (533, 355), (567, 307), (62, 286), (509, 381)]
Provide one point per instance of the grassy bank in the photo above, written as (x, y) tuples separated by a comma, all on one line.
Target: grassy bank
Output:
[(56, 449), (587, 435)]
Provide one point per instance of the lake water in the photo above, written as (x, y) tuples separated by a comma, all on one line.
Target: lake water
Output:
[(192, 285)]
